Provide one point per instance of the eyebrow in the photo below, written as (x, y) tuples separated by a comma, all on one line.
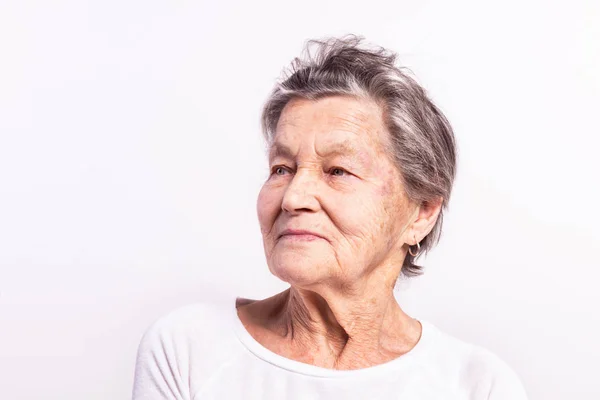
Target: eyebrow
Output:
[(280, 150), (341, 149)]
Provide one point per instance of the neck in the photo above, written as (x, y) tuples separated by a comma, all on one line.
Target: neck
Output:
[(346, 331), (333, 325)]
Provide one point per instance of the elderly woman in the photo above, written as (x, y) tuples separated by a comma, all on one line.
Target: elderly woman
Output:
[(361, 168)]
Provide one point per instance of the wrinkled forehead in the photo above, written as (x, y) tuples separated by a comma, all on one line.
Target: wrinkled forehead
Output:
[(347, 123)]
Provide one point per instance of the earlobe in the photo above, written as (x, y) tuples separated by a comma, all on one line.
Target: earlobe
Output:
[(418, 248), (423, 220)]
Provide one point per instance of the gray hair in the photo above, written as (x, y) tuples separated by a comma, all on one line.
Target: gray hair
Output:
[(421, 144)]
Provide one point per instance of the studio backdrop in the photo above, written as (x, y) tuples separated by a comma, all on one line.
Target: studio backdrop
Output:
[(131, 158)]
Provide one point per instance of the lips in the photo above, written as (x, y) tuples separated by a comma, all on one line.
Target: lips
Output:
[(300, 232)]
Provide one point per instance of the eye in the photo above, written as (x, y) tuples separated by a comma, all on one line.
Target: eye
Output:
[(336, 171), (278, 170)]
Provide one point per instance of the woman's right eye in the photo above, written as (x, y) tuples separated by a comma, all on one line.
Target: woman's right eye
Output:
[(278, 170)]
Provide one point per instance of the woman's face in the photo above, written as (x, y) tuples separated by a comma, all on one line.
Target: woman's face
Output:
[(330, 176)]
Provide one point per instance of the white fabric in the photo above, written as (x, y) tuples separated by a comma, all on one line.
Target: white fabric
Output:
[(203, 351)]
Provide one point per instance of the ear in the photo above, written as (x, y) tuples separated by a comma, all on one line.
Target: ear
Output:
[(427, 215)]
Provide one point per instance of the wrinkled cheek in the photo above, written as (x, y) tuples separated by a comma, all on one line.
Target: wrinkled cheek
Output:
[(361, 221), (380, 218)]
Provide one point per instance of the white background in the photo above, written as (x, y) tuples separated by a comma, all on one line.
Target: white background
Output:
[(131, 157)]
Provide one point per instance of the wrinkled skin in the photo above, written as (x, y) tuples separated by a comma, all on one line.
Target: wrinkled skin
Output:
[(331, 176)]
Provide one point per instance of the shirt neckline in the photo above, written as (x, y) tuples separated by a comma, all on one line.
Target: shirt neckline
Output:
[(258, 350)]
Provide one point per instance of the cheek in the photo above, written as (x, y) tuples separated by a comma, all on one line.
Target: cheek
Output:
[(380, 213), (359, 215), (268, 205)]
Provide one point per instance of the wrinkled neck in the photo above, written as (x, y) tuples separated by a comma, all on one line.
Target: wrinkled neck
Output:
[(339, 324)]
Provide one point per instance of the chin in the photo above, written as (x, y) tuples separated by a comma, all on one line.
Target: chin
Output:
[(299, 269)]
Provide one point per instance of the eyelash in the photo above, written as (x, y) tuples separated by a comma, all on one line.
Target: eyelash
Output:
[(276, 167)]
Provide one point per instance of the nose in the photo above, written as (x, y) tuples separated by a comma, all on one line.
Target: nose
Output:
[(301, 193)]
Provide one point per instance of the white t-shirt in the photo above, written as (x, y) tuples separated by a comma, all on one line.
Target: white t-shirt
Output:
[(203, 351)]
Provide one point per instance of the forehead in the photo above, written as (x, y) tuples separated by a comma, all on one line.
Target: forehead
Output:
[(343, 120)]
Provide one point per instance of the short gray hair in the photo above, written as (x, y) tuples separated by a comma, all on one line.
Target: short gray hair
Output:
[(422, 143)]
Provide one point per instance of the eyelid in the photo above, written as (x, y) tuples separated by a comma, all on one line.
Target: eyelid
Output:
[(328, 171), (274, 167), (346, 172)]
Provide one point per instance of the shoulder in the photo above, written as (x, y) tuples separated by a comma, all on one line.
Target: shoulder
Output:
[(198, 320), (196, 337), (476, 369), (492, 376)]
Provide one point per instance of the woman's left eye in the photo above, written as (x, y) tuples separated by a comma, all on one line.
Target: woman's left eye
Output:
[(338, 171)]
